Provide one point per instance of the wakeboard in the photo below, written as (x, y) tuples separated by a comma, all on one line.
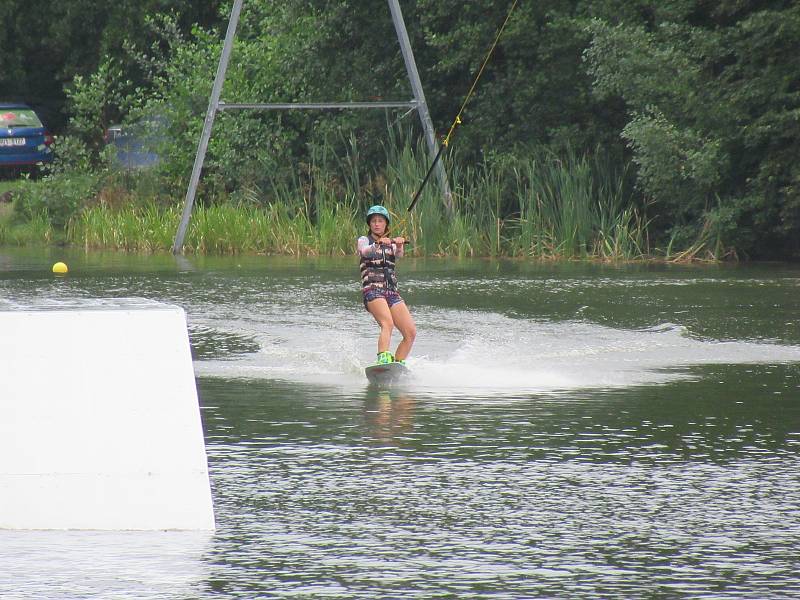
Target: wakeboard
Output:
[(387, 374)]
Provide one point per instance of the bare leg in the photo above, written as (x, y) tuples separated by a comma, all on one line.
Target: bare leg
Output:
[(380, 310), (405, 324)]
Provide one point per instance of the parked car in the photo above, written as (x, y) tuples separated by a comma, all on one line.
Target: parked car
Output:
[(25, 143), (136, 146)]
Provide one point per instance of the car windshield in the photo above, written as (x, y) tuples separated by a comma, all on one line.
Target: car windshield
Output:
[(18, 117)]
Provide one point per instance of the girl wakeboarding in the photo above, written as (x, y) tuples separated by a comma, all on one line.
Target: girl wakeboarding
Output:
[(378, 254)]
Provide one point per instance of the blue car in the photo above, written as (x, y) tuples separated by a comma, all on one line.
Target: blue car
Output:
[(24, 140)]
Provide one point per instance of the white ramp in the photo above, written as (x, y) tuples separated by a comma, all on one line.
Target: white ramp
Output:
[(99, 418)]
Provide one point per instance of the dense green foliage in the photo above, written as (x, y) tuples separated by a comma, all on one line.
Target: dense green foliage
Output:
[(713, 96), (692, 108), (562, 211), (45, 44)]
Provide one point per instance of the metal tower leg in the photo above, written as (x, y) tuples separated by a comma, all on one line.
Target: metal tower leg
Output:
[(213, 104), (419, 96)]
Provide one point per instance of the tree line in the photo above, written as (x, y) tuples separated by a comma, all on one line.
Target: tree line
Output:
[(696, 104)]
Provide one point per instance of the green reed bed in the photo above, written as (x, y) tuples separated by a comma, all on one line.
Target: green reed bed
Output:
[(432, 228), (132, 227), (35, 231), (16, 231), (542, 206), (574, 206), (217, 229)]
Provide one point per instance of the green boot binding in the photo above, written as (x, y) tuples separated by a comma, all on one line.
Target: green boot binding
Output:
[(384, 358)]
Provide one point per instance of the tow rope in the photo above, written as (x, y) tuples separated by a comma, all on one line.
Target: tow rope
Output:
[(457, 121)]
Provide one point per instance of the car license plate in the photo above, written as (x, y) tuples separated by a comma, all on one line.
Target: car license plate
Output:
[(12, 142)]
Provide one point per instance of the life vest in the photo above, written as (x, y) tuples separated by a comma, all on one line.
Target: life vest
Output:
[(377, 271)]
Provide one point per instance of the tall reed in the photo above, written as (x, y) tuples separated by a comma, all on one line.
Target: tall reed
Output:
[(543, 205), (574, 206), (37, 230)]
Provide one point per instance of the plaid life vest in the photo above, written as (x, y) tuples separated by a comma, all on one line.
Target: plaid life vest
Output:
[(377, 269)]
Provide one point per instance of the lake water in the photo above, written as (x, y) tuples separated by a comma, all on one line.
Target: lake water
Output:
[(571, 431)]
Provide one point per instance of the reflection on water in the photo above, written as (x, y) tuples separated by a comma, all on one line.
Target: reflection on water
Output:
[(572, 432), (389, 414)]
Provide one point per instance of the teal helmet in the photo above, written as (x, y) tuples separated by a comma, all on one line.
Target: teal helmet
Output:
[(378, 210)]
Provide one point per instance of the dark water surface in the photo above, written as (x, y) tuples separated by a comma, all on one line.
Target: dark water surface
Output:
[(572, 431)]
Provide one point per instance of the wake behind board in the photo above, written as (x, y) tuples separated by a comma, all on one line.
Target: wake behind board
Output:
[(386, 374)]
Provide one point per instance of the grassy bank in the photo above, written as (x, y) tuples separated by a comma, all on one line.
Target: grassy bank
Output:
[(540, 208), (16, 230), (546, 207), (218, 229)]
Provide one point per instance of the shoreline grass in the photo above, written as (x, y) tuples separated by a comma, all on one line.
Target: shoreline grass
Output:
[(546, 207), (228, 229)]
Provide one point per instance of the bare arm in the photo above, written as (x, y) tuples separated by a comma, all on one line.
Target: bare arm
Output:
[(365, 248)]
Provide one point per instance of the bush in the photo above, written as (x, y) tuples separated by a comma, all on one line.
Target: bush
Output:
[(72, 156), (57, 197)]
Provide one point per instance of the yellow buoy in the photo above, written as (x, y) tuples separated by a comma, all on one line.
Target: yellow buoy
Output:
[(60, 268)]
